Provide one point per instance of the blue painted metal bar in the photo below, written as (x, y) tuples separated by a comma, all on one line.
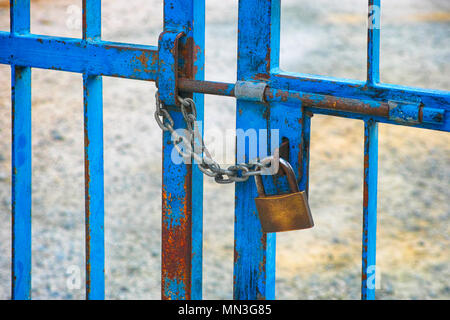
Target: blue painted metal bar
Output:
[(140, 62), (373, 42), (353, 89), (284, 123), (93, 153), (21, 182), (168, 67), (198, 73), (369, 236), (254, 258), (357, 89), (75, 55), (351, 115), (369, 209), (396, 112), (21, 162), (181, 270)]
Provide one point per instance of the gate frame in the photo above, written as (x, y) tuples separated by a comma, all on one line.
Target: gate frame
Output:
[(291, 99)]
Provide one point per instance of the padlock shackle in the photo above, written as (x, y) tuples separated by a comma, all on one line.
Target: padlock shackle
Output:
[(288, 171), (290, 175)]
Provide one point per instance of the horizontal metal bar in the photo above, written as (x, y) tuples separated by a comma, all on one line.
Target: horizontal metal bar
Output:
[(250, 90), (358, 89), (326, 95), (365, 108), (278, 95), (76, 55), (206, 87), (427, 98)]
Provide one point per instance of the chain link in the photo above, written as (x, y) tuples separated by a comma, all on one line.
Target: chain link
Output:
[(194, 146)]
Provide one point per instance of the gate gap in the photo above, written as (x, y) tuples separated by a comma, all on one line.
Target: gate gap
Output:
[(218, 216), (413, 243), (221, 41), (413, 42), (132, 144), (132, 21), (325, 262), (326, 37), (61, 18), (4, 16), (58, 231)]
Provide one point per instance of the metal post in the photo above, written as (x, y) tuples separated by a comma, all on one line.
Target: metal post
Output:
[(182, 209), (21, 161), (93, 148), (369, 236), (373, 42), (258, 44)]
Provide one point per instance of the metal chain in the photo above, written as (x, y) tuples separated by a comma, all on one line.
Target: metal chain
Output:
[(194, 146)]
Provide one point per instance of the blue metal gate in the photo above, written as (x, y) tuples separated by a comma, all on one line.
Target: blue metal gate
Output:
[(177, 65)]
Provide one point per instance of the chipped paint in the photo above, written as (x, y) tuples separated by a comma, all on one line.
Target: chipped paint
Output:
[(181, 272), (167, 80)]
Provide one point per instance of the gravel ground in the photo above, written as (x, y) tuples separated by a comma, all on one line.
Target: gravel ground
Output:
[(321, 37)]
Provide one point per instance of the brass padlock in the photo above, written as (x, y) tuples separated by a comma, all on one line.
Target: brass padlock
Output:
[(283, 212)]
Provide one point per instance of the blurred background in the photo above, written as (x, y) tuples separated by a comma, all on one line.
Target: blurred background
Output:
[(323, 37)]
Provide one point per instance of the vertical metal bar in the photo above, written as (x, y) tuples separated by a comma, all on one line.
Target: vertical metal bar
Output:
[(182, 184), (93, 153), (21, 161), (197, 176), (369, 210), (373, 42), (371, 160), (254, 258), (304, 149)]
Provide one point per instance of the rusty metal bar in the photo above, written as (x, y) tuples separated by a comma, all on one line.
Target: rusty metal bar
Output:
[(320, 101), (93, 161), (369, 235), (398, 112), (206, 87), (182, 184), (422, 114)]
